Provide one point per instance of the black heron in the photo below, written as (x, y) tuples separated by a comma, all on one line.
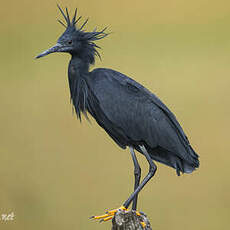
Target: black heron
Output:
[(131, 115)]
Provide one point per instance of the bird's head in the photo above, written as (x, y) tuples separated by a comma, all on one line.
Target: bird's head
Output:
[(75, 40)]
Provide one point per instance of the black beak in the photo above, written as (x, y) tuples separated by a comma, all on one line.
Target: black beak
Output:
[(56, 48)]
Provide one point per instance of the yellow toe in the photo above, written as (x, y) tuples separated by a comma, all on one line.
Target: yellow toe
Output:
[(115, 210), (109, 214), (143, 224), (138, 213), (101, 216), (108, 218)]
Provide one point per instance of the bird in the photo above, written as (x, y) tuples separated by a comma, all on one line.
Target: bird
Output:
[(130, 114)]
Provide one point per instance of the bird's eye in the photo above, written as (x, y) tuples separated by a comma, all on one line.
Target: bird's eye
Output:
[(70, 42)]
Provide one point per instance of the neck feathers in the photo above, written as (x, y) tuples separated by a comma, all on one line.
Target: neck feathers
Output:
[(77, 74), (88, 53)]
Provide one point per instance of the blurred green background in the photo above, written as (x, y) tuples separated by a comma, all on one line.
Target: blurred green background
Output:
[(56, 172)]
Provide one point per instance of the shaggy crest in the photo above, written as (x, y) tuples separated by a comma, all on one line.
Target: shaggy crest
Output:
[(88, 36)]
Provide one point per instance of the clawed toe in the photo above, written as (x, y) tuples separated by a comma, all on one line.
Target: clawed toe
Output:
[(108, 215)]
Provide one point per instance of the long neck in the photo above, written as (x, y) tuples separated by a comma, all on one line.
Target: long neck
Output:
[(78, 71)]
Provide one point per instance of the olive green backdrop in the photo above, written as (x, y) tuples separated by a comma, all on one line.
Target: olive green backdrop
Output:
[(56, 172)]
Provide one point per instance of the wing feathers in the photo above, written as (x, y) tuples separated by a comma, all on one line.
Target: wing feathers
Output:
[(141, 115)]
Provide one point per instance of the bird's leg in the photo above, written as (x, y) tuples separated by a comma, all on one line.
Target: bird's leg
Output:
[(137, 175), (152, 170)]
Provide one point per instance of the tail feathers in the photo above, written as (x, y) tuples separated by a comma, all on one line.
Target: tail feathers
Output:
[(171, 159), (192, 152), (191, 165), (194, 157), (185, 166)]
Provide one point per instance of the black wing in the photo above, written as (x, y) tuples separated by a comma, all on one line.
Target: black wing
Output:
[(138, 114)]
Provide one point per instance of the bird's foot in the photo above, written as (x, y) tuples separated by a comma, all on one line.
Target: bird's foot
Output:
[(108, 215)]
